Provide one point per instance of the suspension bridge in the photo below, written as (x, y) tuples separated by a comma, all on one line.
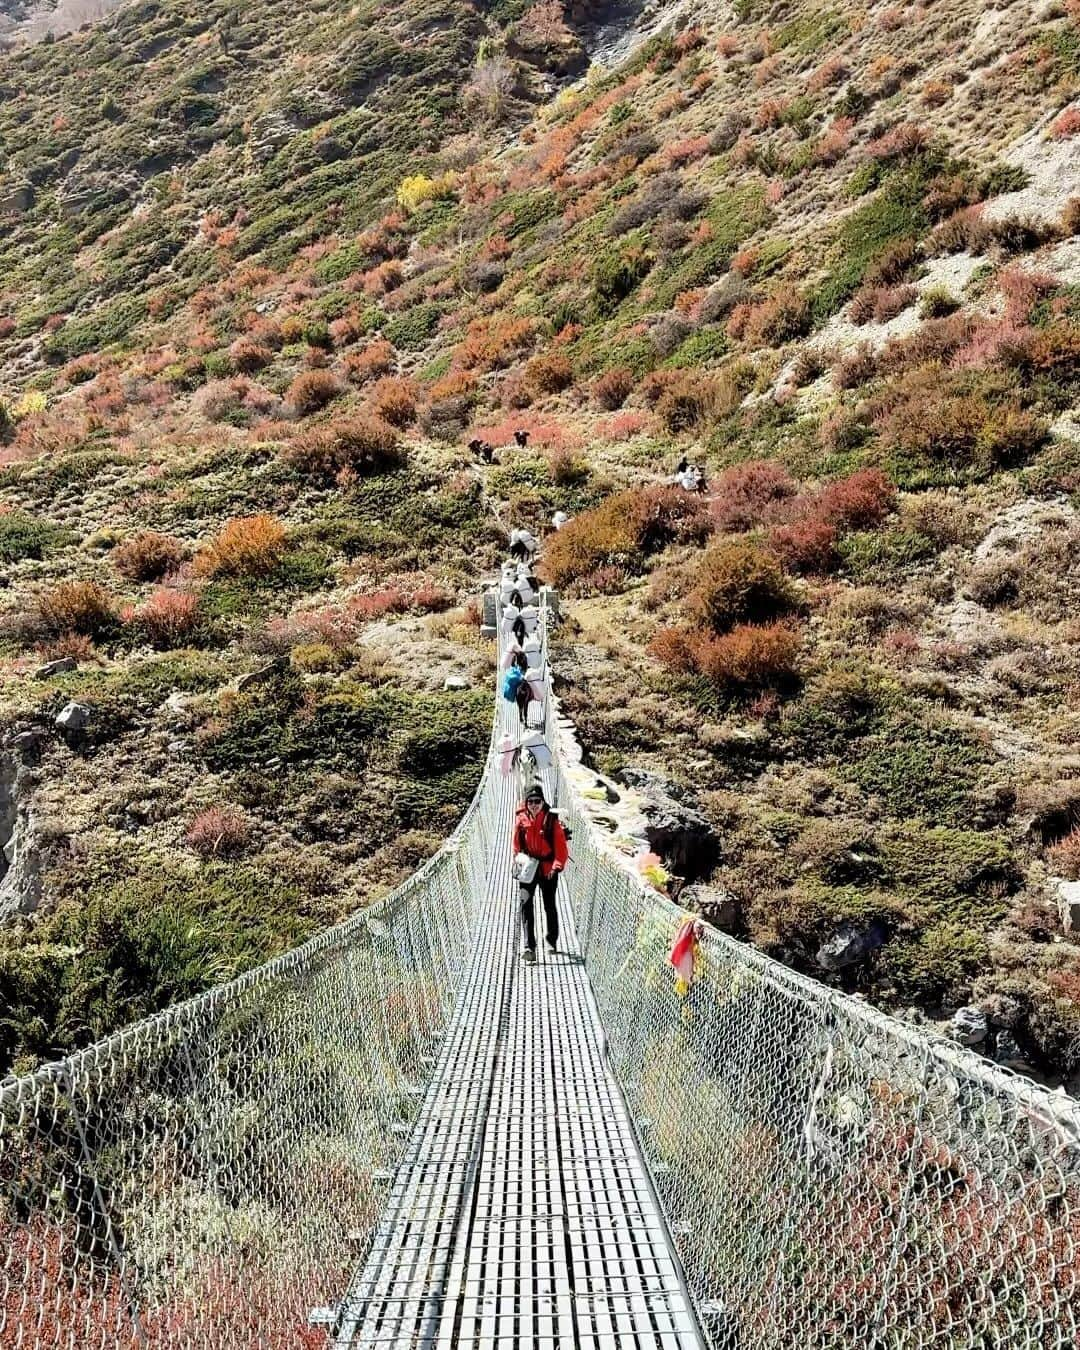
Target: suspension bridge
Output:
[(399, 1135)]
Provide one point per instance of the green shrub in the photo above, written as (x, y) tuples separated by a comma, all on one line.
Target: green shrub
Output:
[(103, 326), (920, 770), (895, 213), (837, 708), (617, 273), (413, 328), (700, 349), (131, 947), (938, 966), (23, 536), (882, 555)]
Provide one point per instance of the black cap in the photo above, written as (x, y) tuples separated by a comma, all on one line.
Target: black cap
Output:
[(534, 794)]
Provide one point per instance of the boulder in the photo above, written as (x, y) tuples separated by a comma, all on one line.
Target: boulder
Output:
[(676, 831), (1007, 1051), (93, 189), (851, 943), (73, 718), (456, 683), (20, 844), (51, 668), (26, 742), (260, 676), (715, 905), (15, 198), (1068, 897), (969, 1026)]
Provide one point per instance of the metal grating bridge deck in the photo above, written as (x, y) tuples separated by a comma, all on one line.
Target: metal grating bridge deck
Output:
[(522, 1214)]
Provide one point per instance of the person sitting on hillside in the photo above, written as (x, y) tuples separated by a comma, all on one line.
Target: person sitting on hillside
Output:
[(522, 438), (541, 853)]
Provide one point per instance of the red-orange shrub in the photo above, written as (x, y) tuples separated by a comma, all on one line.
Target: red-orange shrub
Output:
[(218, 832), (147, 556), (386, 277), (739, 581), (748, 494), (362, 444), (376, 359), (394, 399), (168, 619), (246, 546), (900, 142), (455, 384), (750, 656), (807, 545), (493, 344), (622, 530), (312, 390), (686, 401), (81, 607), (858, 502), (1067, 124), (549, 373), (611, 389), (376, 605), (782, 317), (1064, 856), (674, 648), (248, 356)]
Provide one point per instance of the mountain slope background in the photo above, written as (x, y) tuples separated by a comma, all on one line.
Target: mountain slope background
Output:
[(267, 273)]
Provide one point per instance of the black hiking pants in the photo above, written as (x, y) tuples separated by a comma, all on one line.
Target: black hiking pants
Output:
[(527, 892)]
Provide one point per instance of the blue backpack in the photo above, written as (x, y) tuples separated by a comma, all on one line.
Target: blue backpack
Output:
[(512, 683)]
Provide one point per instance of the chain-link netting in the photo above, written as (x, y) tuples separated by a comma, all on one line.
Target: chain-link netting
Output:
[(831, 1177), (208, 1177)]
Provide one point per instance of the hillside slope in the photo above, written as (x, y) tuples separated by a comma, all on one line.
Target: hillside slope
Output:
[(299, 262)]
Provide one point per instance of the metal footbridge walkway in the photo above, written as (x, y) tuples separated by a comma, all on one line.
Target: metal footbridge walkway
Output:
[(522, 1213), (398, 1135)]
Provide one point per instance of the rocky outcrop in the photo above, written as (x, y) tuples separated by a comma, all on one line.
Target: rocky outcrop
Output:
[(851, 943), (675, 830), (86, 189), (715, 905), (15, 198), (20, 854)]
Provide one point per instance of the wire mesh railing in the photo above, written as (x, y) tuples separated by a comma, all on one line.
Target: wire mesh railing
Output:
[(209, 1176), (831, 1177)]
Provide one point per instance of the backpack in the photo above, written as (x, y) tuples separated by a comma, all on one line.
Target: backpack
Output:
[(512, 683)]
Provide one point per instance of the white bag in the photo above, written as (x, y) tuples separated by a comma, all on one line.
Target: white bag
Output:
[(525, 868)]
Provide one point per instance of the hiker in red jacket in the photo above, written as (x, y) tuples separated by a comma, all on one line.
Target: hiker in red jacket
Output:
[(540, 854)]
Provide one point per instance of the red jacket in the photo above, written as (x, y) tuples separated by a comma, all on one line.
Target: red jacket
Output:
[(531, 837)]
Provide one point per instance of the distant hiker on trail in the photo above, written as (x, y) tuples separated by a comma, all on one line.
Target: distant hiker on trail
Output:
[(482, 450), (522, 438), (540, 854)]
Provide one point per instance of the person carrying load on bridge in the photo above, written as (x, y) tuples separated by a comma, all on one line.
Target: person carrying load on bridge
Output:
[(514, 677), (540, 854)]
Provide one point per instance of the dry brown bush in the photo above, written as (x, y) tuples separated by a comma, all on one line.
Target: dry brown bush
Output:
[(147, 556)]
